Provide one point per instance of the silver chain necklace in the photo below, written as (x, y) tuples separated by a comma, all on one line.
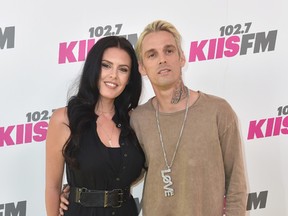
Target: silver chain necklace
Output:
[(108, 137), (168, 190)]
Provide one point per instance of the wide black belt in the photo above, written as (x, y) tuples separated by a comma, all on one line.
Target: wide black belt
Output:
[(99, 198)]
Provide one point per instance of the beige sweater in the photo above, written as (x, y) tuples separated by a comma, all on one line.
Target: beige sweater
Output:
[(208, 165)]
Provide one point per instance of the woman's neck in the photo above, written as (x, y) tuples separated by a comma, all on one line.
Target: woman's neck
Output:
[(105, 108)]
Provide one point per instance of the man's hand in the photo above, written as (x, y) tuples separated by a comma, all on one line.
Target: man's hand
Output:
[(64, 199)]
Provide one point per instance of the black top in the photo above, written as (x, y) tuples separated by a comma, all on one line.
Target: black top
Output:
[(104, 168)]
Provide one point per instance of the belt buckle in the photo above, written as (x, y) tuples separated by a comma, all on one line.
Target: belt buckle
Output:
[(120, 196), (78, 194)]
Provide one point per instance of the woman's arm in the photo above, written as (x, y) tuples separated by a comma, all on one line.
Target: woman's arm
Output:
[(57, 134)]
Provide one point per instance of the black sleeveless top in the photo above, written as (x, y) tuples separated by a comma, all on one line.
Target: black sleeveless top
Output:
[(104, 168)]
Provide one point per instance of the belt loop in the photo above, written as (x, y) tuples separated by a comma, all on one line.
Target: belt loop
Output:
[(106, 199)]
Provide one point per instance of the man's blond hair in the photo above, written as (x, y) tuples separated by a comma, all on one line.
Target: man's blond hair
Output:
[(155, 26)]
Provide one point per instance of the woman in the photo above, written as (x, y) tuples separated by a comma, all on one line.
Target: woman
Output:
[(93, 137)]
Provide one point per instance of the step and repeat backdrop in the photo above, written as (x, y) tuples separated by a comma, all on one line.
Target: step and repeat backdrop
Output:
[(234, 49)]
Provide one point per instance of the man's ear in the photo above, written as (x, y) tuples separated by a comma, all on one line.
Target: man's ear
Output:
[(141, 69), (182, 59)]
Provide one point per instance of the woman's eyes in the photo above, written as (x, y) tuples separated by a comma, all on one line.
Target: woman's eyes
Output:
[(105, 65), (109, 66)]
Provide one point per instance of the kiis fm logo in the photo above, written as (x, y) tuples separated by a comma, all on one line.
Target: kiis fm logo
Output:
[(13, 209), (257, 200), (35, 130), (7, 37), (76, 51), (273, 126), (233, 40)]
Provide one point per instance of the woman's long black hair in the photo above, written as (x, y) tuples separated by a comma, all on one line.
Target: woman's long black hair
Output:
[(80, 108)]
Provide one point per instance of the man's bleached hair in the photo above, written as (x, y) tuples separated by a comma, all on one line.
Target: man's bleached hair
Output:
[(158, 25)]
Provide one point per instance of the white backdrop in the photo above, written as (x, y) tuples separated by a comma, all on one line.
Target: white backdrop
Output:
[(234, 49)]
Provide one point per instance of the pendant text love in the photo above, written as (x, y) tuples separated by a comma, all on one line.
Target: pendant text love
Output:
[(168, 191)]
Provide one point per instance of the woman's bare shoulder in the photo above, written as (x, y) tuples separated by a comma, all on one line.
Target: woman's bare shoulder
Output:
[(60, 116)]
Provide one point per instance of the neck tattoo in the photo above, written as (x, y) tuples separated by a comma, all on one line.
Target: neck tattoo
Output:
[(165, 173), (179, 93)]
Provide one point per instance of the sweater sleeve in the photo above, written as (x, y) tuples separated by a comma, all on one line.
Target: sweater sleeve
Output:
[(235, 179)]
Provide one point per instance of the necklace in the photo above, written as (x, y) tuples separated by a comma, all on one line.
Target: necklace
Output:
[(108, 137), (167, 180)]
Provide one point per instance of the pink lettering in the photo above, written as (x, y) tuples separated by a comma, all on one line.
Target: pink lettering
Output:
[(197, 51), (269, 127), (212, 48), (232, 46), (67, 51), (277, 126), (220, 48), (5, 136), (23, 133), (40, 130), (217, 48), (20, 134), (285, 124), (255, 129), (28, 132)]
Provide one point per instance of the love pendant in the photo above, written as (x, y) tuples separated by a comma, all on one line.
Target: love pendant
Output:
[(168, 190)]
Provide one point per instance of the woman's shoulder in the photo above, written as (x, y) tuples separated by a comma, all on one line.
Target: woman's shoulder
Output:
[(60, 116)]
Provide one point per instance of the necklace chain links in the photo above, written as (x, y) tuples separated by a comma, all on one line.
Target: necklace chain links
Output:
[(165, 173), (180, 134)]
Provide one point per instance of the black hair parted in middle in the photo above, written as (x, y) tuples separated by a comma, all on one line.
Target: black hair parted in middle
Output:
[(81, 106)]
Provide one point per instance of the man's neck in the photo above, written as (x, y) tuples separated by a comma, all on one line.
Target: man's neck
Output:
[(163, 100)]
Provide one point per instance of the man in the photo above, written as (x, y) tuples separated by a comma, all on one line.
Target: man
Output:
[(191, 140)]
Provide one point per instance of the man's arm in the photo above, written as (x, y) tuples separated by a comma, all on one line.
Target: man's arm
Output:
[(235, 178)]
